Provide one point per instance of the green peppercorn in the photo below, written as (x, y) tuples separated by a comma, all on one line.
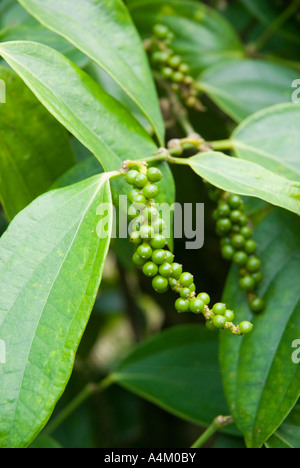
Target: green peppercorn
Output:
[(240, 258), (159, 256), (234, 201), (154, 174), (258, 277), (186, 279), (173, 282), (224, 210), (146, 232), (133, 212), (132, 194), (197, 306), (253, 264), (246, 231), (150, 191), (131, 176), (245, 327), (169, 256), (150, 213), (175, 61), (150, 269), (159, 225), (145, 251), (137, 260), (247, 283), (185, 293), (219, 321), (135, 238), (177, 77), (224, 225), (167, 72), (235, 216), (204, 297), (139, 201), (227, 252), (176, 270), (229, 315), (238, 241), (219, 308), (160, 284), (210, 326), (182, 305), (165, 270), (160, 31), (250, 247), (141, 180), (158, 242), (257, 305), (184, 68)]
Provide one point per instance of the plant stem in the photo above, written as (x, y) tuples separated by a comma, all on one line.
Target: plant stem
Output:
[(221, 145), (217, 424), (85, 394), (276, 25)]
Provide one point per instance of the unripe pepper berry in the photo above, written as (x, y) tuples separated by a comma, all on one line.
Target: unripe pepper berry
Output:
[(160, 284), (144, 251), (150, 191), (154, 174), (197, 306), (219, 321), (219, 308), (150, 269), (141, 180), (131, 176), (246, 327), (182, 305), (158, 242), (186, 279)]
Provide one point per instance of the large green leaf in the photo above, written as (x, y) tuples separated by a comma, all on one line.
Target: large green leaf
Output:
[(262, 383), (51, 266), (104, 31), (271, 138), (177, 370), (203, 36), (35, 149), (288, 434), (37, 33), (97, 120), (246, 178), (242, 87)]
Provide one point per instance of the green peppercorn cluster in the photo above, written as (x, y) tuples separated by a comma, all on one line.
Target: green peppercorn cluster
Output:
[(237, 245), (171, 66), (157, 261)]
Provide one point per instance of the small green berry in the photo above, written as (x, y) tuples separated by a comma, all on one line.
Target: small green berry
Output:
[(240, 258), (227, 252), (135, 238), (246, 231), (229, 315), (182, 305), (247, 283), (250, 247), (204, 297), (176, 270), (253, 264), (158, 242), (159, 225), (150, 213), (177, 77), (224, 210), (167, 72), (257, 305), (132, 194), (175, 61), (258, 277), (139, 201), (150, 191), (184, 68), (197, 306), (131, 176), (144, 251), (141, 180), (154, 174), (150, 269), (243, 221), (137, 260), (245, 327), (234, 201), (169, 256), (160, 284), (165, 270), (224, 225), (219, 321), (186, 279), (235, 216), (146, 232), (219, 308), (238, 241), (160, 31), (173, 282), (159, 256), (133, 212)]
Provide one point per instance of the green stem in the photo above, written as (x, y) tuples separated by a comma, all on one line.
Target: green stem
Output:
[(276, 25), (221, 145), (85, 394), (217, 424)]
